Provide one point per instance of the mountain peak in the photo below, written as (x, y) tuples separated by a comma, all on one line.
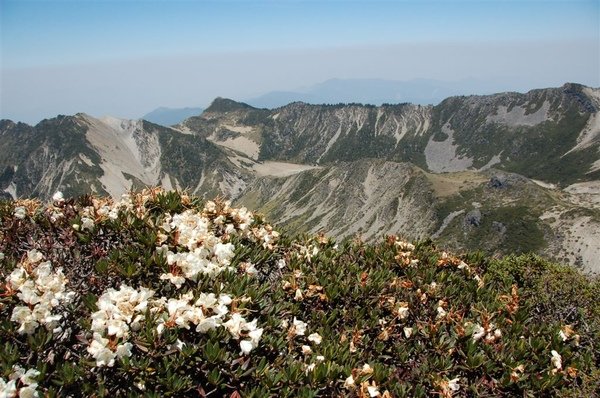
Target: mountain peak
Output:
[(226, 105)]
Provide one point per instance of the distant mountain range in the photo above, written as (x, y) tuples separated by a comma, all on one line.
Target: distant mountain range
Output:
[(335, 91), (372, 91), (505, 173), (171, 116)]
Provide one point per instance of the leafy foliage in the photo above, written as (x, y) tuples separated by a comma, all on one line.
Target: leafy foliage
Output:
[(337, 319)]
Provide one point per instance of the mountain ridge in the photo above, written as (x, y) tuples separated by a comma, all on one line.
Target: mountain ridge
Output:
[(505, 172), (463, 127)]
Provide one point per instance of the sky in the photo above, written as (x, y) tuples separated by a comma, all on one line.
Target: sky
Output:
[(126, 58)]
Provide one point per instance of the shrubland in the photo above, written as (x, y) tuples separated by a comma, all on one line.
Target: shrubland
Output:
[(163, 294)]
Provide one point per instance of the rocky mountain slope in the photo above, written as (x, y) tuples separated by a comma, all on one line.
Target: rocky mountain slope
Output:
[(504, 173), (80, 154), (549, 134), (491, 210)]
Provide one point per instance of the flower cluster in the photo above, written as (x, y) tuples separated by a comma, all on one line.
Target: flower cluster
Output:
[(226, 219), (122, 311), (21, 383), (205, 313), (306, 252), (229, 221), (489, 333), (365, 388), (202, 244), (42, 289), (206, 254), (297, 331), (119, 311), (405, 253), (239, 328), (103, 209)]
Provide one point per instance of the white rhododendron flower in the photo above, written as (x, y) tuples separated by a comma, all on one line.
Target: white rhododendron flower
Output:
[(366, 369), (24, 380), (349, 382), (489, 334), (17, 278), (223, 252), (58, 197), (453, 384), (177, 280), (249, 269), (478, 332), (315, 338), (8, 389), (87, 223), (20, 212), (562, 335), (441, 312), (402, 311), (299, 327), (373, 391), (566, 332), (34, 256), (556, 359), (246, 346), (28, 392), (124, 350), (448, 387)]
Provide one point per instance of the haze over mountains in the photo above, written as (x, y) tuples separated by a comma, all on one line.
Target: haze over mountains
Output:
[(505, 173), (335, 91), (373, 91), (169, 116)]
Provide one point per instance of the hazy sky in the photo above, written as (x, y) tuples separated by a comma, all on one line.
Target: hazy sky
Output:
[(125, 58)]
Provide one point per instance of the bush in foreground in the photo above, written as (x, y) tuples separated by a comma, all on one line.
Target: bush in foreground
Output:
[(162, 295)]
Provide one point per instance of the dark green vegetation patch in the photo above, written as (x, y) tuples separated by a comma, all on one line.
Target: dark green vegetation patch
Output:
[(336, 319)]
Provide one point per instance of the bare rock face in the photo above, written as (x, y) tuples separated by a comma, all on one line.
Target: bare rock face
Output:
[(473, 218)]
